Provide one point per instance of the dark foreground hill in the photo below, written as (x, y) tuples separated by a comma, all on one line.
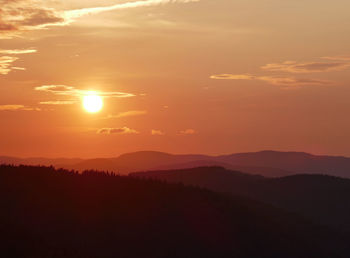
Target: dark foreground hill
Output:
[(55, 213), (324, 199)]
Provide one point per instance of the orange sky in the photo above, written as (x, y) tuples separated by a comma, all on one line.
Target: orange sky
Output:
[(205, 76)]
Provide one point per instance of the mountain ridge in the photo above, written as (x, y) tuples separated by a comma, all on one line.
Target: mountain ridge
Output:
[(268, 163), (322, 198)]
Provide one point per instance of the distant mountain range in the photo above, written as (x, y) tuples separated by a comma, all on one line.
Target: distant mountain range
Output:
[(39, 161), (266, 163), (324, 199)]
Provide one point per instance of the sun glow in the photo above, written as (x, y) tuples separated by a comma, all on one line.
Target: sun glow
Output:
[(92, 103)]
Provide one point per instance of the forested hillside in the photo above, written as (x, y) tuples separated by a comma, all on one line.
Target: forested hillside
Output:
[(57, 213)]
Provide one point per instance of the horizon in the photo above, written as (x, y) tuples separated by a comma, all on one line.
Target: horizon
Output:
[(176, 154)]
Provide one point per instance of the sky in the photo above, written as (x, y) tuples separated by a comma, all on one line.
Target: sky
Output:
[(180, 76)]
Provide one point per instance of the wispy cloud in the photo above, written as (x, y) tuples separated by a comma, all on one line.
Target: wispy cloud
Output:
[(126, 114), (73, 14), (121, 130), (275, 80), (228, 76), (17, 108), (6, 62), (6, 65), (18, 68), (24, 15), (292, 67), (65, 90), (338, 58), (291, 81), (132, 113), (17, 51), (312, 67), (58, 102), (157, 132), (188, 132)]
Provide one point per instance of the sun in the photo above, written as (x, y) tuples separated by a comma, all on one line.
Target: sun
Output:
[(92, 103)]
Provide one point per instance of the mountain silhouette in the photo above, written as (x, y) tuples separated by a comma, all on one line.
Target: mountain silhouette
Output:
[(324, 199), (136, 161), (266, 163), (298, 162), (39, 161), (57, 213), (266, 171)]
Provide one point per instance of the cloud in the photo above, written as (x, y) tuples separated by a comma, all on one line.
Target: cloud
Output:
[(126, 114), (18, 68), (227, 76), (121, 130), (292, 67), (338, 58), (275, 80), (290, 81), (17, 108), (57, 89), (6, 65), (17, 51), (157, 132), (188, 132), (24, 15), (72, 14), (58, 102), (313, 67), (132, 113), (6, 62), (65, 90)]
